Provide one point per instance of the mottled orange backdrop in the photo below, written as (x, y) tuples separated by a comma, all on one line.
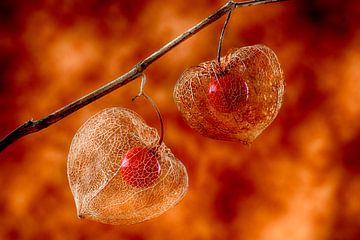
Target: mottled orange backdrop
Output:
[(299, 180)]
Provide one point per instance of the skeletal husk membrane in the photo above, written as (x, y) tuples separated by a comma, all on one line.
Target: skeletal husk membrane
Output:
[(234, 100), (101, 190)]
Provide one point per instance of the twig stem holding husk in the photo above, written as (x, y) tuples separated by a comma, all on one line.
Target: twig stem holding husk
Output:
[(222, 36), (142, 93)]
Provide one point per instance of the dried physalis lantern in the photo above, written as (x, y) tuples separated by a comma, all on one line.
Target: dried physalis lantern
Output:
[(118, 172), (234, 99)]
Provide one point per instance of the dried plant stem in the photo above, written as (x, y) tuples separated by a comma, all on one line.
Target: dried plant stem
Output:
[(152, 102), (159, 115), (32, 126), (222, 37)]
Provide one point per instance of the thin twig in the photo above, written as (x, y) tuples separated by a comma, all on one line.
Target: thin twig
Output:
[(37, 125), (222, 37)]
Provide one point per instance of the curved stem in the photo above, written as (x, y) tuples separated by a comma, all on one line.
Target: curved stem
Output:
[(222, 36), (37, 125), (142, 85), (159, 115), (142, 93)]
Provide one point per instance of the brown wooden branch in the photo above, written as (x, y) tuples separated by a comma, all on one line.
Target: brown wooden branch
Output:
[(37, 125)]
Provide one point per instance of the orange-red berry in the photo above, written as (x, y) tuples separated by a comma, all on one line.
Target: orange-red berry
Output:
[(226, 93), (140, 167)]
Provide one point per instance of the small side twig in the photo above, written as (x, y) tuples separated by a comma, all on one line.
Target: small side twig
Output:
[(37, 125)]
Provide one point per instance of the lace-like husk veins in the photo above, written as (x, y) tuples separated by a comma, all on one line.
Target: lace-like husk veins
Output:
[(94, 162), (259, 67)]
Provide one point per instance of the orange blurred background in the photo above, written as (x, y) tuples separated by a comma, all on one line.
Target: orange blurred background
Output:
[(299, 180)]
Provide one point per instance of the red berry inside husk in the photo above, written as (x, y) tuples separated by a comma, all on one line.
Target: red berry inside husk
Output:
[(227, 92), (140, 167)]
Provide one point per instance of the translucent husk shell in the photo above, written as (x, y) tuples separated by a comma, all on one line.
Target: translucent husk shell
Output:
[(95, 179), (260, 70)]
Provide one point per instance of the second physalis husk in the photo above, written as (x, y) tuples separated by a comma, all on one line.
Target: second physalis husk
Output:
[(235, 99), (118, 172)]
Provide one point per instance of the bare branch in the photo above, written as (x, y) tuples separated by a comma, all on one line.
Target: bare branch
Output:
[(136, 71)]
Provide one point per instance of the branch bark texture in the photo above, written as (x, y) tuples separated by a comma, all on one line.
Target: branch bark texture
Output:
[(37, 125)]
